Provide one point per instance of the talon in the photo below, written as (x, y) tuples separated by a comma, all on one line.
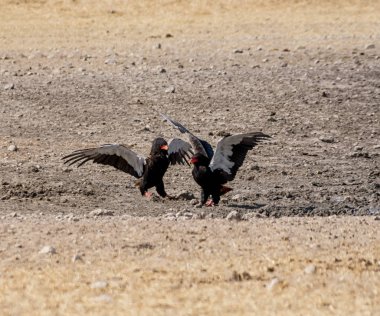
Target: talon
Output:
[(148, 195), (210, 203)]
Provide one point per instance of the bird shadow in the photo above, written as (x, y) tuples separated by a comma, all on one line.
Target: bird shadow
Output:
[(253, 206)]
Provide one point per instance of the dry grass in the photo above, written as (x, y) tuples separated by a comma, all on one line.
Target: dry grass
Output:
[(58, 24), (192, 267)]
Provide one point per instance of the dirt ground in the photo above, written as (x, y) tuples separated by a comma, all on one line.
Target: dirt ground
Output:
[(77, 74)]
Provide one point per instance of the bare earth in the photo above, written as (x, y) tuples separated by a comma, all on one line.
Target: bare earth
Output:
[(76, 74)]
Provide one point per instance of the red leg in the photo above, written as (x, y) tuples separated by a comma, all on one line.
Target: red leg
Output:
[(210, 202), (148, 194)]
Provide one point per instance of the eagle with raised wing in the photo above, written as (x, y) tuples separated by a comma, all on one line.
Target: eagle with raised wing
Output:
[(150, 171), (212, 170)]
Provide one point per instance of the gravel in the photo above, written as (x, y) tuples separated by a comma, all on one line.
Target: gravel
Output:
[(48, 250), (234, 216), (101, 212), (310, 269)]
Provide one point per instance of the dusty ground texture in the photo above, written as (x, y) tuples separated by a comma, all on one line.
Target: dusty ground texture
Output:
[(76, 74)]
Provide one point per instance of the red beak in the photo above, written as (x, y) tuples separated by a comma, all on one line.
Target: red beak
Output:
[(164, 147), (193, 160)]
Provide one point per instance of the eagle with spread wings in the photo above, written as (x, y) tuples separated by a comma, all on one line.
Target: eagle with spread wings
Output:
[(214, 169), (150, 171)]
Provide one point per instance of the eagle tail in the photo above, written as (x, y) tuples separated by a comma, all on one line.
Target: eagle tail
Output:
[(224, 190)]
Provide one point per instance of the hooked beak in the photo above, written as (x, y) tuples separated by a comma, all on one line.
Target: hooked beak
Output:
[(164, 147), (193, 160)]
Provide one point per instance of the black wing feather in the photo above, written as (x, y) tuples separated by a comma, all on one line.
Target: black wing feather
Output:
[(200, 146), (232, 162), (117, 156)]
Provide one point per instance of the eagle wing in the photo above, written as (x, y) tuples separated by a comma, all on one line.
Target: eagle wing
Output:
[(118, 156), (200, 146), (179, 151), (231, 152)]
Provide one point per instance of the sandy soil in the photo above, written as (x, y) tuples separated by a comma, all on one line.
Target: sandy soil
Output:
[(76, 74)]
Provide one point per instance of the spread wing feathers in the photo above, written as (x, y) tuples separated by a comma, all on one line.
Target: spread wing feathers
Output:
[(199, 146), (179, 151), (231, 152), (118, 156)]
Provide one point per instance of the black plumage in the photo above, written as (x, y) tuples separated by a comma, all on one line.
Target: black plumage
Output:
[(212, 170), (150, 171)]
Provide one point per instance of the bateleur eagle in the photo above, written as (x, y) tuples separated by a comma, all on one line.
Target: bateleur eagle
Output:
[(150, 171), (212, 170)]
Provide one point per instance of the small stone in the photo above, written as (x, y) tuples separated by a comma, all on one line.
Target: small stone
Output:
[(273, 284), (236, 197), (12, 147), (201, 215), (170, 218), (223, 134), (327, 139), (238, 277), (162, 70), (170, 90), (265, 60), (185, 195), (358, 154), (76, 257), (238, 51), (186, 216), (301, 47), (255, 168), (14, 214), (9, 86), (178, 214), (99, 284), (101, 212), (284, 65), (110, 61), (158, 46), (48, 250), (63, 199), (249, 216), (310, 269), (168, 35), (370, 46), (234, 216), (35, 168)]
